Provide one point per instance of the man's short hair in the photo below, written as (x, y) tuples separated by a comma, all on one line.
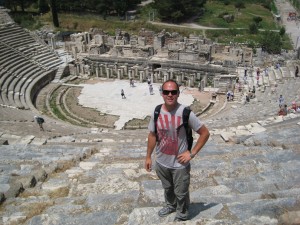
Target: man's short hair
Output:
[(170, 80)]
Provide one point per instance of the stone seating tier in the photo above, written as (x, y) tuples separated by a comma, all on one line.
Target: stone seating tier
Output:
[(10, 30), (252, 182), (23, 76), (14, 63), (18, 43), (16, 37)]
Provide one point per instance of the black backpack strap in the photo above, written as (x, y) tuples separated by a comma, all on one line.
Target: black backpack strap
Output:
[(156, 114), (188, 130), (185, 117)]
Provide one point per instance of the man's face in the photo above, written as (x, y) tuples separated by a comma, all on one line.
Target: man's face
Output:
[(170, 94)]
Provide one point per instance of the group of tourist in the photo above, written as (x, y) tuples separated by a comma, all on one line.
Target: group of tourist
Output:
[(284, 109), (229, 95)]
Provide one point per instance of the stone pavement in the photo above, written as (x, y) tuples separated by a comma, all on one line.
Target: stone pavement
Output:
[(292, 27), (139, 103), (257, 183), (96, 176)]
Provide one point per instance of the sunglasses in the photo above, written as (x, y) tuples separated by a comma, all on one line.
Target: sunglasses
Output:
[(167, 92)]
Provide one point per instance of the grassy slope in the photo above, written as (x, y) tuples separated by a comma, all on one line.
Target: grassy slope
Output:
[(238, 29)]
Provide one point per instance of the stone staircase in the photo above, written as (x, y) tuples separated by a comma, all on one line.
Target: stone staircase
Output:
[(256, 182)]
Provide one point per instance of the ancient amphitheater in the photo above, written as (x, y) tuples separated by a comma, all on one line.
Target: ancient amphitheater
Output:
[(248, 172)]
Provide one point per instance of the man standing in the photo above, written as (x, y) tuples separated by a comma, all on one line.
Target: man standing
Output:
[(172, 154)]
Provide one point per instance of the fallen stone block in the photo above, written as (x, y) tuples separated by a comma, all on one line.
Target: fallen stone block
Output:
[(55, 184), (26, 181), (226, 135), (87, 165), (14, 190), (26, 139), (2, 198), (290, 218), (15, 218), (243, 133), (39, 141), (40, 175), (3, 142)]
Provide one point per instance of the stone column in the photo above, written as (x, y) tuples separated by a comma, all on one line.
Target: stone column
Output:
[(182, 77), (126, 68), (166, 76), (107, 72), (152, 77), (147, 72), (136, 70), (77, 69), (88, 38), (171, 71), (204, 80), (101, 70), (111, 72), (178, 79), (202, 86), (116, 68), (159, 74), (106, 67), (97, 70), (130, 74), (141, 76), (119, 74), (81, 69), (122, 72), (191, 80), (52, 41), (192, 77)]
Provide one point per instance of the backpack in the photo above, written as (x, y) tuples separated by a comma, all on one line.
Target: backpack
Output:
[(40, 120), (185, 116)]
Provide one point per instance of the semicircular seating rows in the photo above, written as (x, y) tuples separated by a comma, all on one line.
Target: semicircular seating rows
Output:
[(25, 66)]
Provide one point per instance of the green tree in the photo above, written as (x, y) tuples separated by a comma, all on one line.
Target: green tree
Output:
[(14, 5), (257, 19), (282, 31), (253, 28), (43, 6), (271, 42), (239, 5), (176, 11), (54, 13)]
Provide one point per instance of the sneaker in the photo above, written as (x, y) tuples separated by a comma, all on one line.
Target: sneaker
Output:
[(165, 211), (178, 219)]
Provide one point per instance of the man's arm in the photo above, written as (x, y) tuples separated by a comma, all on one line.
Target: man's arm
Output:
[(150, 147), (204, 135)]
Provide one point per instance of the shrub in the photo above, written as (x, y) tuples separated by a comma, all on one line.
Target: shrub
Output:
[(282, 31), (253, 28)]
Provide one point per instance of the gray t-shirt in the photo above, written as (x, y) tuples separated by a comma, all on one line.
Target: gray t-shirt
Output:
[(172, 142)]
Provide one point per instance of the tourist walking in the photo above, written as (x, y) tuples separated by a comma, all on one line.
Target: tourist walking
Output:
[(40, 121), (173, 158), (131, 82), (280, 101), (151, 89), (296, 71), (123, 94)]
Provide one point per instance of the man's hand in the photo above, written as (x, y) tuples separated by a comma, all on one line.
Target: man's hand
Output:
[(184, 158), (148, 164)]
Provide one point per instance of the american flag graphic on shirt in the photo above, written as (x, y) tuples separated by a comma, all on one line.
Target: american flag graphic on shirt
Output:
[(168, 134)]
